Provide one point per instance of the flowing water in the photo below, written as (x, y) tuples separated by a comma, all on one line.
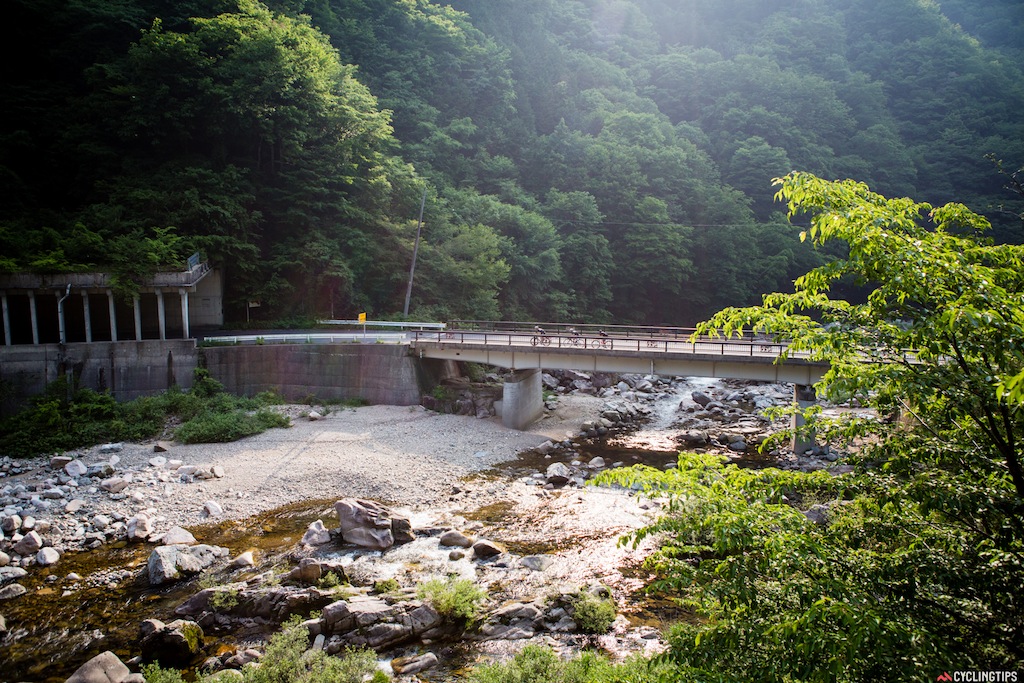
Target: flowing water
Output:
[(52, 633)]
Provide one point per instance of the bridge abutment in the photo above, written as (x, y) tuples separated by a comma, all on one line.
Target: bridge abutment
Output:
[(804, 397), (522, 401)]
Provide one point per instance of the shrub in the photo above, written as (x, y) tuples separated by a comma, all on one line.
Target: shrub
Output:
[(593, 614), (385, 586), (330, 580), (456, 599), (536, 664), (222, 427), (287, 660)]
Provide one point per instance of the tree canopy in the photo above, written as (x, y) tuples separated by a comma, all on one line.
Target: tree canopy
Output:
[(291, 141), (909, 565)]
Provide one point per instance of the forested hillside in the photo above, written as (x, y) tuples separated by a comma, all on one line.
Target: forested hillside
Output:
[(593, 160)]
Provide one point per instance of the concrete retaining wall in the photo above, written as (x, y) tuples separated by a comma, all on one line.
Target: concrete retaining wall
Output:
[(127, 369), (379, 374)]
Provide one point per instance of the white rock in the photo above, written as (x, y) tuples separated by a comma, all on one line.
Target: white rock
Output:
[(212, 508), (217, 471), (314, 416), (244, 560), (176, 535), (316, 534), (174, 464), (158, 461), (76, 468), (47, 556)]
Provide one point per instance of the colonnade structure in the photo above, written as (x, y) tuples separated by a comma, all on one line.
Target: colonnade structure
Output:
[(83, 307)]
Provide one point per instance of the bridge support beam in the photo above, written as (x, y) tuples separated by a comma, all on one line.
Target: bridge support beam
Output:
[(522, 400), (804, 397)]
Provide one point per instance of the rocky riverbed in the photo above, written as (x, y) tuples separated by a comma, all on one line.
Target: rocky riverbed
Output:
[(534, 535)]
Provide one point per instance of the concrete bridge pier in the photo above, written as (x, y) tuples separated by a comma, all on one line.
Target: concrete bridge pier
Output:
[(804, 397), (522, 400)]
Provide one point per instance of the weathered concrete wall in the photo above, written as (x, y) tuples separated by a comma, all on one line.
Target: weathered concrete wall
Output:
[(128, 369), (522, 399), (379, 374)]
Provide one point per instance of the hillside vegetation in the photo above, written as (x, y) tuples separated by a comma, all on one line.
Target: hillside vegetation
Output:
[(590, 160)]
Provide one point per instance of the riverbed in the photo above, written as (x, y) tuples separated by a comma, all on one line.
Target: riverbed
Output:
[(486, 485)]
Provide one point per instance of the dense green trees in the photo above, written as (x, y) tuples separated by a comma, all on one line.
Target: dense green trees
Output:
[(909, 565), (291, 142)]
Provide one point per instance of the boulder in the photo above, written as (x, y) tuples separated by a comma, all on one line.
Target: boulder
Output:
[(365, 523), (169, 562), (75, 469), (172, 645), (456, 538), (139, 527), (104, 668), (178, 536), (114, 484), (11, 523), (244, 560), (369, 622), (700, 398), (406, 666), (401, 529), (13, 590), (308, 571), (316, 534), (8, 574), (558, 474), (47, 556), (59, 462), (483, 549), (29, 544)]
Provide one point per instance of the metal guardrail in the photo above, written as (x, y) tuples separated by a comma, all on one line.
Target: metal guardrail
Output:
[(608, 343), (312, 338), (386, 323)]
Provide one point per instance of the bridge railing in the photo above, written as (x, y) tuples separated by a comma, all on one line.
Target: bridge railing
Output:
[(607, 343), (371, 337)]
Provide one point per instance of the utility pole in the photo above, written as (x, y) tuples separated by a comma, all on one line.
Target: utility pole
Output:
[(415, 250)]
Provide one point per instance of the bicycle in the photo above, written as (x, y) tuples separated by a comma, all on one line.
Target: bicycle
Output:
[(540, 341), (601, 343)]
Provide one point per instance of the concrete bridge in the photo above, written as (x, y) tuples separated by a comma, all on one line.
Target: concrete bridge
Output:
[(657, 351)]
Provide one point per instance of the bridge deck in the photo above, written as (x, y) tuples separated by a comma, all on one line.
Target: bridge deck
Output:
[(658, 355)]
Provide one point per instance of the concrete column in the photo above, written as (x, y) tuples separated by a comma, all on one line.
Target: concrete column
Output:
[(88, 318), (804, 397), (137, 307), (522, 399), (35, 317), (183, 293), (113, 315), (7, 320), (161, 314)]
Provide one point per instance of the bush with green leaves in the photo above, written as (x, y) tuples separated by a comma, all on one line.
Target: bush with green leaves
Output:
[(453, 598), (288, 659), (911, 570), (65, 417), (223, 427), (537, 664), (592, 614)]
